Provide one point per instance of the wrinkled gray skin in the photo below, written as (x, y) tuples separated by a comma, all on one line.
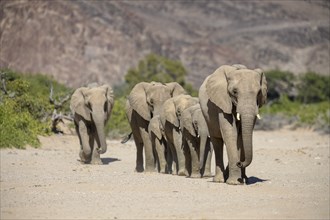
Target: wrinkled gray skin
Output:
[(196, 139), (170, 117), (91, 107), (145, 101), (223, 94)]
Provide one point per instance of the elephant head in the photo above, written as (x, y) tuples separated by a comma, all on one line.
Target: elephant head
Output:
[(174, 107), (240, 92), (147, 98), (94, 104)]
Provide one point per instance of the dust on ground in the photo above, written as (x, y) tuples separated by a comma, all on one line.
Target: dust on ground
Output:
[(289, 178)]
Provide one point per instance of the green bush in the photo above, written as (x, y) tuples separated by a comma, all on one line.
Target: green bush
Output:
[(25, 110), (19, 128), (313, 115), (280, 82), (314, 88), (160, 69), (118, 124)]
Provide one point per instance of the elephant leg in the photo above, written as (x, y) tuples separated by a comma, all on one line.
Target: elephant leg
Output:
[(187, 156), (159, 146), (230, 135), (219, 166), (192, 143), (207, 166), (93, 143), (85, 151), (177, 138), (149, 155), (172, 159), (169, 159), (139, 152), (240, 152)]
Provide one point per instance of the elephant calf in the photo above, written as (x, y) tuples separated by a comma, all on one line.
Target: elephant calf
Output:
[(91, 107), (196, 141), (170, 117)]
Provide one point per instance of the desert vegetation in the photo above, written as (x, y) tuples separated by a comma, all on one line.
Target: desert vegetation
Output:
[(29, 102)]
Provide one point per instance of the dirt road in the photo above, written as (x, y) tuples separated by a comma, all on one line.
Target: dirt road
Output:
[(289, 179)]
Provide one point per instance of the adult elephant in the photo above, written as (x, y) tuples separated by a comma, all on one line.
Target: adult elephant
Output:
[(197, 141), (170, 117), (230, 99), (91, 107), (144, 101)]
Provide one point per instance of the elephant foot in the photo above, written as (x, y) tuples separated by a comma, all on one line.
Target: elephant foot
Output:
[(162, 171), (195, 175), (183, 173), (218, 178), (149, 170), (83, 158), (207, 174), (97, 162), (139, 169), (235, 181)]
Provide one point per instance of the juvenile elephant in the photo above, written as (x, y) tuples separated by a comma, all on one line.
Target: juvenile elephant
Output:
[(91, 107), (230, 99), (145, 101), (196, 139), (170, 117)]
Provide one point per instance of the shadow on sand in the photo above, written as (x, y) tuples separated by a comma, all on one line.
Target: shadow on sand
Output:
[(253, 180), (108, 160)]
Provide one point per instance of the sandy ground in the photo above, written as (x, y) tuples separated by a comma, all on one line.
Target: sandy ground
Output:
[(289, 180)]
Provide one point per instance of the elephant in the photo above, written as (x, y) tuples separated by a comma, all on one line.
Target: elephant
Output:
[(91, 107), (196, 139), (144, 101), (230, 99), (170, 117)]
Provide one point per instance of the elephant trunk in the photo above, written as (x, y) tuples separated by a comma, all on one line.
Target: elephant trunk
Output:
[(100, 139), (202, 148), (247, 122)]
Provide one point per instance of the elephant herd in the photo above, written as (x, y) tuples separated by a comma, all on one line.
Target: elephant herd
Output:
[(176, 133)]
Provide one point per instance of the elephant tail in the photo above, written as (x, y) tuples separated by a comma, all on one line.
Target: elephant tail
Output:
[(126, 138)]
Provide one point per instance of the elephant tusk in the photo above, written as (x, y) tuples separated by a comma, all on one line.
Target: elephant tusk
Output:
[(238, 116), (258, 116)]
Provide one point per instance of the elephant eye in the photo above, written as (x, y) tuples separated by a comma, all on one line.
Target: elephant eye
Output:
[(151, 102), (234, 91)]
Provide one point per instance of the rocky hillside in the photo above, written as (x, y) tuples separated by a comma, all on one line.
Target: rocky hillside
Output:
[(82, 41)]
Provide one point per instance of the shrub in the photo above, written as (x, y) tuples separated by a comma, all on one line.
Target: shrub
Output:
[(314, 88), (25, 109), (118, 124), (281, 82), (19, 128)]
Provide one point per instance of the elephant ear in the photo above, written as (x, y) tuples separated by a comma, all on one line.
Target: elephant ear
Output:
[(77, 103), (155, 127), (138, 100), (176, 89), (262, 99), (216, 88), (169, 113), (187, 121), (110, 97)]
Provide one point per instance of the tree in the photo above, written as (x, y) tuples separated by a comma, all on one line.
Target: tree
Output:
[(158, 68), (314, 88)]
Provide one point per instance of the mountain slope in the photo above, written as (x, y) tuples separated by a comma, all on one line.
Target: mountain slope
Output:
[(82, 41)]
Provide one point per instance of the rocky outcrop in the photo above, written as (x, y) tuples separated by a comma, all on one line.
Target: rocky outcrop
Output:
[(82, 41)]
